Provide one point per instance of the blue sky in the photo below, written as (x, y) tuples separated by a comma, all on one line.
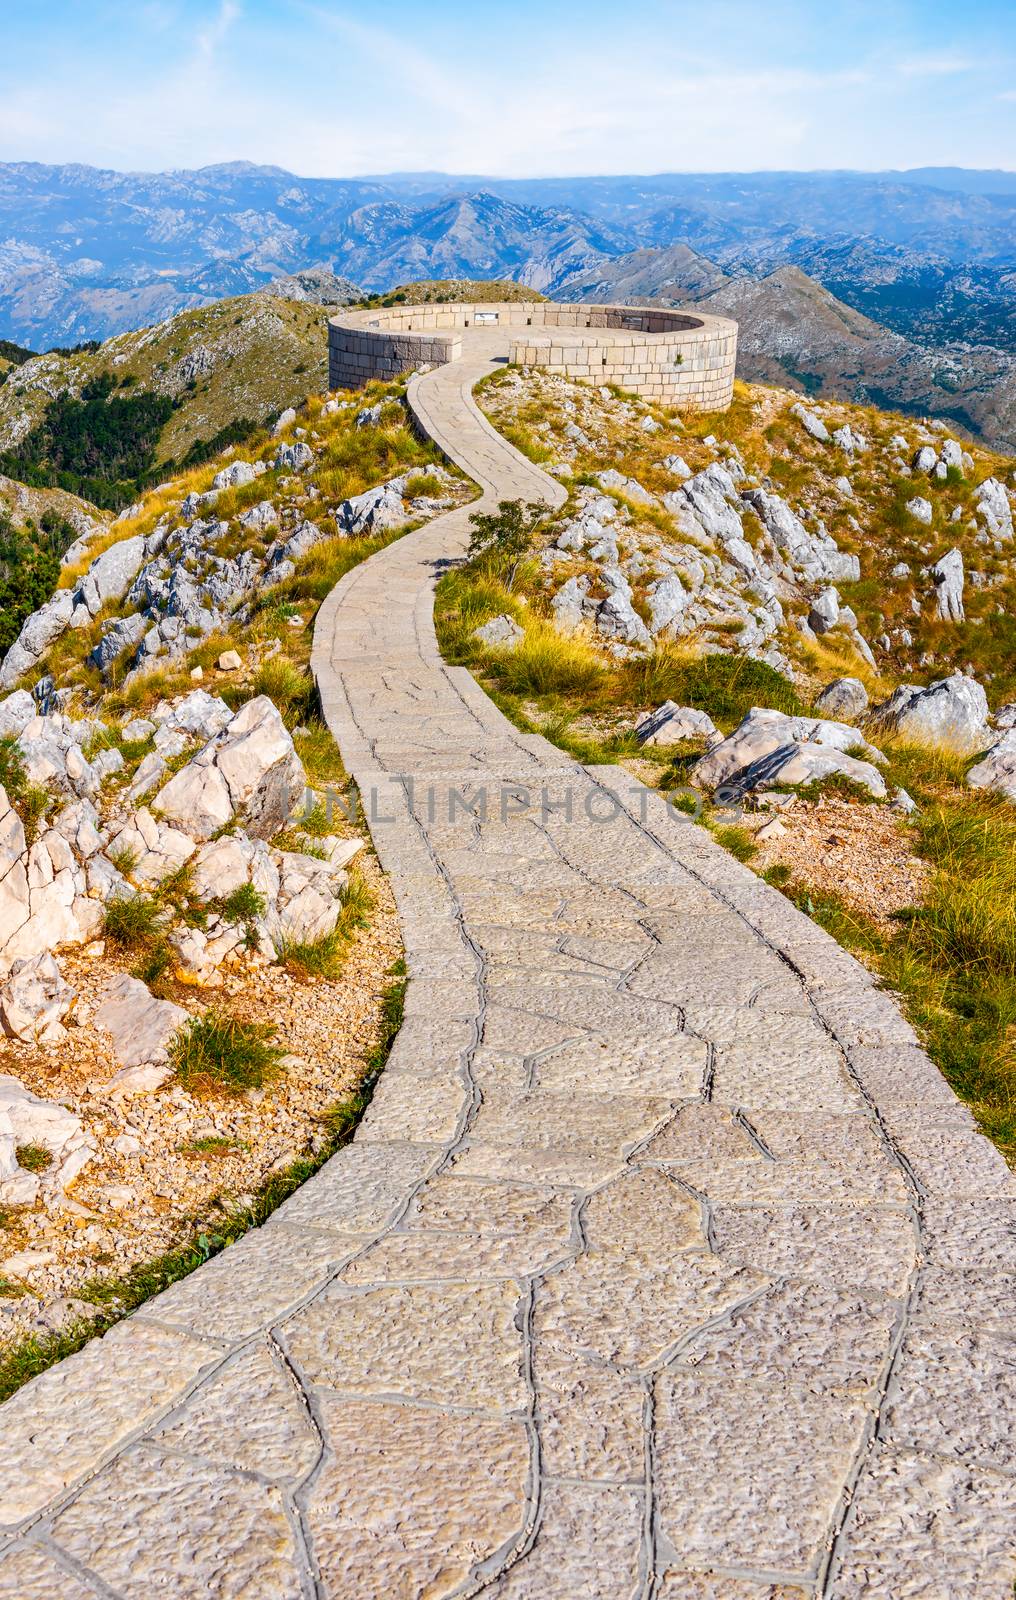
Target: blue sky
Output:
[(531, 88)]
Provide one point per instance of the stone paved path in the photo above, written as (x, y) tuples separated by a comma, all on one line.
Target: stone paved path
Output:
[(663, 1263)]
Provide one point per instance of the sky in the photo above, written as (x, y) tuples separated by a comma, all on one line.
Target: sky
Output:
[(534, 88)]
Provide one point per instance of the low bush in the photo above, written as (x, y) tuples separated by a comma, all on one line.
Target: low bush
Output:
[(218, 1051), (132, 922)]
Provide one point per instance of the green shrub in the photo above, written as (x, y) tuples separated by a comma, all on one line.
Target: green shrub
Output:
[(501, 541), (223, 1052), (132, 922), (244, 904), (33, 1157)]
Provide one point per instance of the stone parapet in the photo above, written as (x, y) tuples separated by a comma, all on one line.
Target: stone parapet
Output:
[(676, 358)]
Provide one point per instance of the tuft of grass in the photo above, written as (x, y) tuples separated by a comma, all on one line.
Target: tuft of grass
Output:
[(212, 1145), (217, 1051), (545, 662), (244, 904), (124, 859), (291, 687), (737, 840), (33, 1157), (133, 923)]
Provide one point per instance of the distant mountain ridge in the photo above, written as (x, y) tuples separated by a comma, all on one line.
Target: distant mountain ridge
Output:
[(87, 253)]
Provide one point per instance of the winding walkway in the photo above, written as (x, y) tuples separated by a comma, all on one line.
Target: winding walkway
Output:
[(663, 1264)]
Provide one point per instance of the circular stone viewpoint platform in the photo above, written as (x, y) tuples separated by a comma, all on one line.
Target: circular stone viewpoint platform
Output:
[(672, 356)]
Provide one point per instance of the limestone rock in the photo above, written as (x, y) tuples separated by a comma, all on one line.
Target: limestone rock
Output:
[(811, 423), (250, 766), (34, 1000), (768, 745), (672, 724), (234, 476), (997, 768), (825, 611), (947, 574), (38, 632), (952, 712), (992, 505), (284, 420), (229, 661), (501, 633), (159, 850), (257, 519), (667, 600), (140, 1025), (846, 698), (26, 1119), (293, 457), (567, 605), (920, 509), (629, 487), (372, 511)]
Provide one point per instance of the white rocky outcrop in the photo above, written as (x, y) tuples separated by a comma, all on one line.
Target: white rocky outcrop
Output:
[(500, 633), (947, 576), (140, 1027), (994, 507), (997, 768), (673, 724), (25, 1119), (770, 747), (34, 999), (952, 712), (845, 698), (249, 768), (811, 423)]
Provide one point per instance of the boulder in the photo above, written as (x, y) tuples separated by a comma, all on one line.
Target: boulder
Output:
[(158, 849), (920, 509), (786, 742), (926, 459), (500, 633), (197, 796), (125, 633), (26, 1119), (34, 999), (992, 505), (947, 574), (618, 619), (260, 517), (825, 611), (111, 574), (815, 557), (234, 476), (672, 724), (38, 632), (141, 1028), (229, 661), (667, 600), (223, 865), (997, 768), (811, 423), (251, 766), (567, 605), (952, 712), (372, 511), (845, 698), (1005, 717), (284, 420), (16, 711), (617, 483), (293, 457), (198, 713), (678, 466)]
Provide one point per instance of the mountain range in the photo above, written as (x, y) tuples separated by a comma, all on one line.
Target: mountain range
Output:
[(899, 288)]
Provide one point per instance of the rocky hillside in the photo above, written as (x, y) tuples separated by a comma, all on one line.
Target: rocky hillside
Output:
[(779, 529), (794, 331), (171, 393), (195, 947)]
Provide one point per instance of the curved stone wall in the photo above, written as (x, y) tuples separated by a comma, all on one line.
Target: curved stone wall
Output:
[(679, 358)]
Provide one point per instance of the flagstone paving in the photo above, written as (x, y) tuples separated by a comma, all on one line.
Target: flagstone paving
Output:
[(663, 1263)]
